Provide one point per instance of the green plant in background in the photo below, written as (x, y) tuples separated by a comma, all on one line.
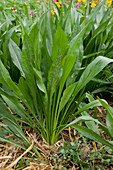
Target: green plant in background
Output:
[(46, 63), (71, 27), (9, 30), (10, 33), (98, 41)]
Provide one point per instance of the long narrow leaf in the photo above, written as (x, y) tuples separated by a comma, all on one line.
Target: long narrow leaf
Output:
[(92, 135)]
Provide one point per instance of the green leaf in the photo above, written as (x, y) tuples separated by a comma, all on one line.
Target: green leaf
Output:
[(70, 58), (87, 106), (36, 38), (90, 98), (94, 35), (27, 98), (48, 32), (39, 80), (67, 21), (101, 81), (91, 135), (75, 43), (10, 120), (16, 55), (4, 111), (12, 142), (90, 124), (109, 119), (88, 119), (7, 20), (81, 110), (66, 95), (60, 43), (54, 76), (9, 34), (91, 71), (6, 80), (91, 18), (28, 57), (85, 118), (109, 122), (42, 88), (14, 103)]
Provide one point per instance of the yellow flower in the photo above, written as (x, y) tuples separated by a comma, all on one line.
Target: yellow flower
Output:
[(79, 0), (83, 0), (52, 12), (93, 5), (109, 2), (85, 5), (58, 4)]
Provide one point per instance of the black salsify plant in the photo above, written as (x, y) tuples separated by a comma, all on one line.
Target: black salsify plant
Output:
[(43, 88)]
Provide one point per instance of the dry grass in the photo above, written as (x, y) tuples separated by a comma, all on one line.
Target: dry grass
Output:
[(10, 155)]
